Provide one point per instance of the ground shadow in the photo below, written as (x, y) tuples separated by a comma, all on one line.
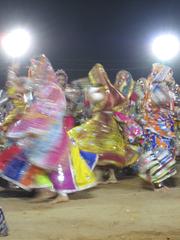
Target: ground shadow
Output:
[(16, 193), (87, 194)]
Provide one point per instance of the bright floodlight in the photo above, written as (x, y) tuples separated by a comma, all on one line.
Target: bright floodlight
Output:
[(16, 43), (166, 47)]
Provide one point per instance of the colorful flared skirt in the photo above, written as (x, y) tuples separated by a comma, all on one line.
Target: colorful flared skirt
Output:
[(101, 135), (15, 168), (158, 161), (75, 173)]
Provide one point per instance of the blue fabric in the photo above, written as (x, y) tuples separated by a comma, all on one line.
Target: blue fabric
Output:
[(15, 169), (90, 158)]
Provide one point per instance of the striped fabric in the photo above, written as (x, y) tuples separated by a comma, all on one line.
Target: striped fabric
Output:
[(3, 225)]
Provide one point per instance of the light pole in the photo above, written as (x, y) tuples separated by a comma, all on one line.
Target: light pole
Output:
[(166, 47), (16, 43)]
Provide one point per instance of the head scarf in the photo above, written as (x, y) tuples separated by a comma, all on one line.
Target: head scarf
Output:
[(157, 89), (42, 70), (124, 83), (99, 79)]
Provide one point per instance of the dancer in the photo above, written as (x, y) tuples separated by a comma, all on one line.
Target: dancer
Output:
[(126, 115), (15, 96), (176, 90), (101, 134), (62, 81), (44, 144), (158, 161), (58, 153), (14, 166), (139, 90), (75, 106)]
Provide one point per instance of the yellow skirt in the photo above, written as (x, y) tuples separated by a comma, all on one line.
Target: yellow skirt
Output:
[(101, 135)]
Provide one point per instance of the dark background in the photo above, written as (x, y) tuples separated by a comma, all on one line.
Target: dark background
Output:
[(76, 34)]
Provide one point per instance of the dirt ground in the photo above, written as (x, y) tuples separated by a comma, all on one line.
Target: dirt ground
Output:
[(123, 211)]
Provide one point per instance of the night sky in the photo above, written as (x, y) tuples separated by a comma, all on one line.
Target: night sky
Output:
[(76, 34)]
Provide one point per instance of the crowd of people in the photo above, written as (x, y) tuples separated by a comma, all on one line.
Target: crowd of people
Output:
[(54, 134)]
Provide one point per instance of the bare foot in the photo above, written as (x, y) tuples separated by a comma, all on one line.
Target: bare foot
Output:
[(60, 199), (111, 178), (162, 189)]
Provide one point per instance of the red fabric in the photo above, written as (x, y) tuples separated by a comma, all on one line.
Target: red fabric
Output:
[(69, 122), (7, 155), (112, 157)]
